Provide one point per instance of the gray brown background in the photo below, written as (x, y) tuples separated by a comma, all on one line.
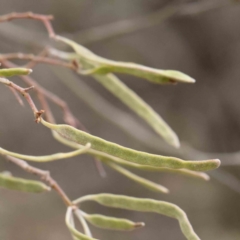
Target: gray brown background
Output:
[(205, 115)]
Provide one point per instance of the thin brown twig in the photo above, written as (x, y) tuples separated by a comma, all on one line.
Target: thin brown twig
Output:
[(67, 114), (15, 93), (68, 117), (44, 175), (44, 104), (45, 19), (24, 92), (31, 64), (37, 59), (50, 118), (49, 115)]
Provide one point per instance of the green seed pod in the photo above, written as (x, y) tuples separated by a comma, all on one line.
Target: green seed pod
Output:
[(140, 180), (47, 158), (101, 69), (186, 172), (101, 65), (112, 223), (142, 158), (137, 105), (108, 158), (9, 72), (20, 184), (144, 205), (75, 233)]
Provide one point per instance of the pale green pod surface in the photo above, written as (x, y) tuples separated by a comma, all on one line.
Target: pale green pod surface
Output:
[(47, 158), (100, 65), (106, 158), (153, 75), (75, 233), (9, 72), (186, 172), (112, 223), (137, 105), (20, 184), (109, 112), (142, 158), (145, 205), (140, 180)]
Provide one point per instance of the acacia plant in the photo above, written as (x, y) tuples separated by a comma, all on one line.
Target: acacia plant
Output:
[(74, 135)]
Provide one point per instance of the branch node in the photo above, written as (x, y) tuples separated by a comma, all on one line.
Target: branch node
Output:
[(38, 115), (28, 89)]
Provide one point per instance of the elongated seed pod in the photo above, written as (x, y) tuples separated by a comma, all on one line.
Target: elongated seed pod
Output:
[(145, 205), (112, 223), (9, 72), (142, 158), (90, 61), (79, 215), (75, 233), (102, 65), (106, 158), (140, 180), (152, 75), (133, 101), (47, 158), (141, 108), (186, 172), (13, 183)]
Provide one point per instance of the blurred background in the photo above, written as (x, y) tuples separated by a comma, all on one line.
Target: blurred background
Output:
[(200, 38)]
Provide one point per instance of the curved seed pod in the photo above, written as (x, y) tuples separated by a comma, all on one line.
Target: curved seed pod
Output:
[(142, 158), (141, 108), (116, 116), (112, 223), (140, 180), (186, 172), (47, 158), (106, 158), (9, 72), (101, 65), (75, 233), (145, 205), (132, 100), (128, 97), (152, 75), (79, 215), (20, 184)]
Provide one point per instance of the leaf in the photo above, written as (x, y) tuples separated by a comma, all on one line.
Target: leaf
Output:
[(140, 180), (144, 205), (9, 72), (46, 158), (69, 222), (112, 223), (142, 158), (20, 184)]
